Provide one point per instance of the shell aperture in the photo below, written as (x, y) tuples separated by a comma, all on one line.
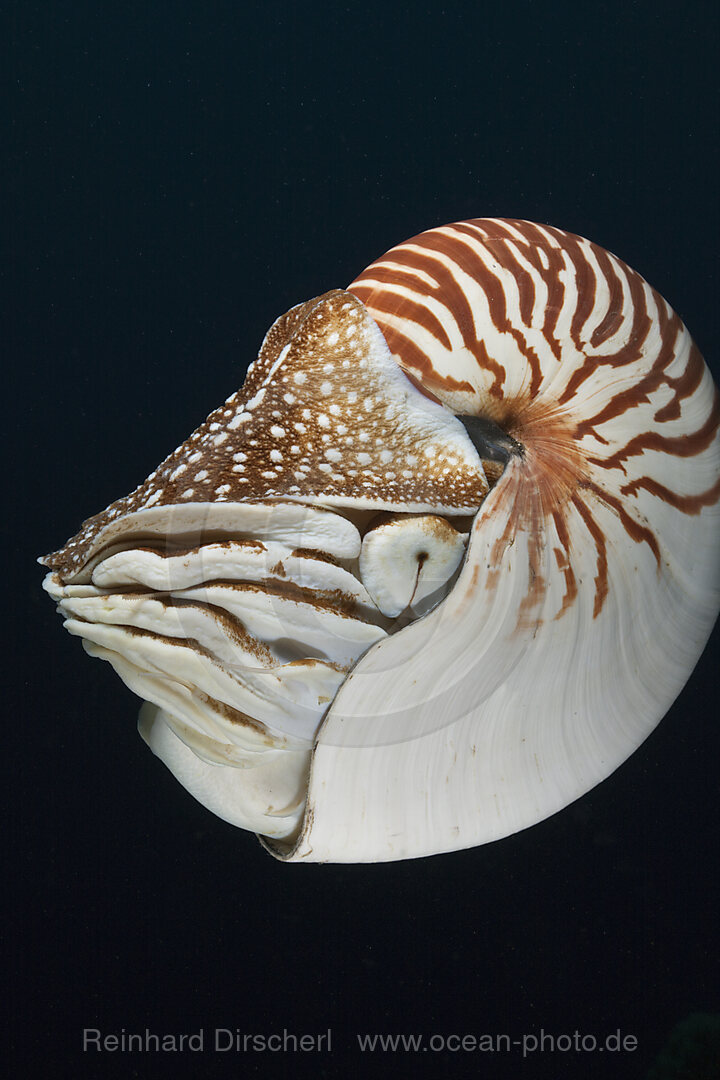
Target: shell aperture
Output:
[(376, 617)]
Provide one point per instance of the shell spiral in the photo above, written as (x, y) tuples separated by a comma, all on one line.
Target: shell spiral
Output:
[(573, 354), (557, 411)]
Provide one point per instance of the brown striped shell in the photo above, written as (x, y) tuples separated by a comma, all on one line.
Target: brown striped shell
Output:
[(571, 353), (376, 617)]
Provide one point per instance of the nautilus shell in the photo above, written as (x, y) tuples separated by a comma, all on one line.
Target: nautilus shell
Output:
[(437, 568)]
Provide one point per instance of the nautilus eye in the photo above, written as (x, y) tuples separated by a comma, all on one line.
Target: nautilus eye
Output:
[(438, 567)]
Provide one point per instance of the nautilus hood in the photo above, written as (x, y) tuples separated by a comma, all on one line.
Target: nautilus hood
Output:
[(437, 568)]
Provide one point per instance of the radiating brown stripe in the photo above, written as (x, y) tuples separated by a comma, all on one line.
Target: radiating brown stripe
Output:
[(526, 292), (609, 325), (525, 506), (637, 335), (411, 260), (412, 356), (585, 280), (504, 254), (688, 504), (601, 578), (424, 390), (527, 296), (639, 533), (502, 542), (454, 299), (683, 446), (562, 558), (551, 277), (467, 258), (501, 228), (393, 275), (451, 250), (684, 386), (670, 327), (642, 320), (491, 228), (613, 317), (391, 303), (534, 525)]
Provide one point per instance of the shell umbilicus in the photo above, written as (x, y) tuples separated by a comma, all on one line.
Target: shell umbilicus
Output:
[(438, 568)]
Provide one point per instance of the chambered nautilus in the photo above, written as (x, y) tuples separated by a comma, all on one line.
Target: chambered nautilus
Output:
[(437, 568)]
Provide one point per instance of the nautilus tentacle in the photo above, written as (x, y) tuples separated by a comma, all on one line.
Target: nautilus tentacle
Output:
[(438, 568)]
